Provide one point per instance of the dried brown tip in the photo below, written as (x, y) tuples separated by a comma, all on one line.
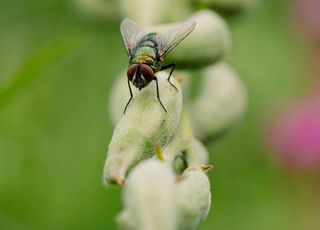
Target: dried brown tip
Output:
[(202, 167), (118, 178), (206, 168), (120, 181), (179, 178)]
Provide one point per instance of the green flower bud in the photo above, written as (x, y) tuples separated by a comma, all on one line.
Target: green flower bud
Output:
[(174, 154), (200, 151), (180, 10), (183, 77), (145, 12), (150, 12), (230, 5), (144, 125), (209, 42), (119, 97), (124, 221), (193, 200), (184, 152), (221, 103), (149, 198)]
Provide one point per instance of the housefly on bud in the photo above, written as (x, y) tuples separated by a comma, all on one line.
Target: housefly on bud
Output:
[(146, 52)]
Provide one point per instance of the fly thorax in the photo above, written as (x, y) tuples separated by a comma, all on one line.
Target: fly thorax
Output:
[(148, 43)]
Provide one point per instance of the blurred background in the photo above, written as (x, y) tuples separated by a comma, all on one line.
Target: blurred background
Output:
[(57, 65)]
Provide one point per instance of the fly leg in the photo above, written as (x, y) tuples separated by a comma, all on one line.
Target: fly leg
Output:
[(131, 95), (168, 79), (158, 96)]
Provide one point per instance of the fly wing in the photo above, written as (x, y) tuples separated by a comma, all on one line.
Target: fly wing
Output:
[(168, 40), (131, 33)]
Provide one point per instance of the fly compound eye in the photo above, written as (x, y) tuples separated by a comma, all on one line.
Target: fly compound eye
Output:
[(131, 71), (147, 72)]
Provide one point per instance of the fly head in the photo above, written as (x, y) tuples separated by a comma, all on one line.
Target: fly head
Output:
[(140, 75)]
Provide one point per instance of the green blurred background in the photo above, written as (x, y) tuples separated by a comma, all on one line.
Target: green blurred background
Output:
[(56, 71)]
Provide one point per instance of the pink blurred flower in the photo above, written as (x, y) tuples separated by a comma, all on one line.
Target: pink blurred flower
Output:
[(307, 16), (295, 134)]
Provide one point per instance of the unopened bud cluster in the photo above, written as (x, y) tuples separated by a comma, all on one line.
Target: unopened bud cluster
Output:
[(157, 156)]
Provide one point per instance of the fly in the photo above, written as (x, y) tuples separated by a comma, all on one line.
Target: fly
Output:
[(146, 52)]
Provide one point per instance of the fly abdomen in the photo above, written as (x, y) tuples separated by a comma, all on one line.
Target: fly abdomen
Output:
[(145, 55)]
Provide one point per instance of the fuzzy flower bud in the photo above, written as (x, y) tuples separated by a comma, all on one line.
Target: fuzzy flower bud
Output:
[(149, 198), (209, 41), (119, 97), (194, 198), (145, 12), (222, 101), (144, 125), (150, 12), (184, 152)]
